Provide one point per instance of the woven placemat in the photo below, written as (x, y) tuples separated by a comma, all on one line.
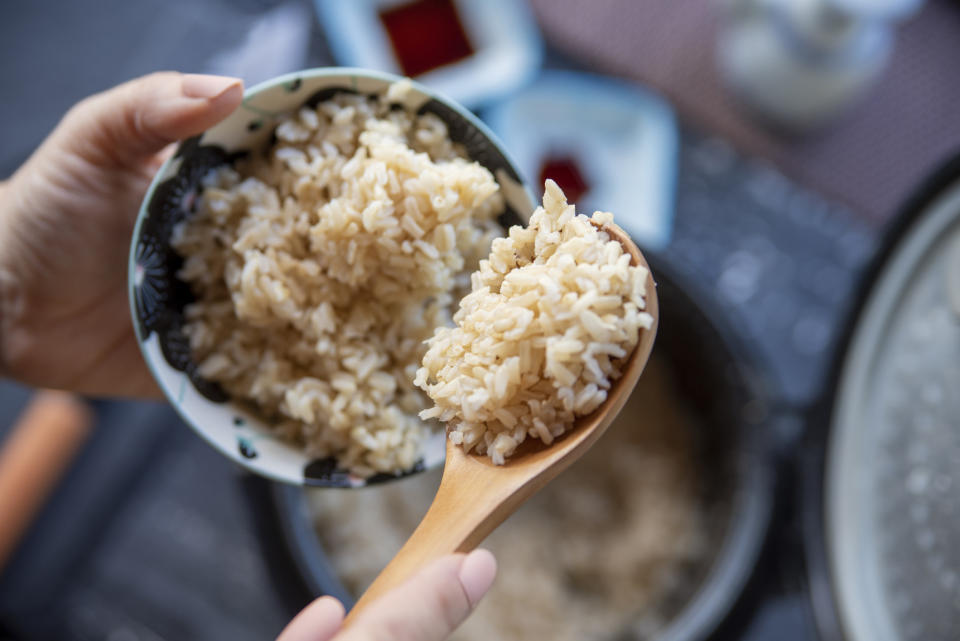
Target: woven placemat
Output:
[(870, 159)]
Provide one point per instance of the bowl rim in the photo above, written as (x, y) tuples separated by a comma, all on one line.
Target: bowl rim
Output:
[(254, 465)]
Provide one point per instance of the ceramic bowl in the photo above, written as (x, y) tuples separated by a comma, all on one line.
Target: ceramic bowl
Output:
[(158, 297), (507, 48)]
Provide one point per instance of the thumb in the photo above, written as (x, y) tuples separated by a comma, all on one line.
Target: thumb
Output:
[(430, 605), (139, 118), (319, 621)]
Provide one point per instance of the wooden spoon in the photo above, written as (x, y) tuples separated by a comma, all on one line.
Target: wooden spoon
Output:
[(475, 496)]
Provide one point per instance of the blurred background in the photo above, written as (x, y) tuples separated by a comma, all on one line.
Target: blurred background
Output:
[(768, 155)]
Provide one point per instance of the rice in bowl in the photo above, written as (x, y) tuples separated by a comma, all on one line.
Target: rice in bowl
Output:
[(320, 266)]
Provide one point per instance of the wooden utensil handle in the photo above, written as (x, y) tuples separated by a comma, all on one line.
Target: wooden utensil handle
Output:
[(432, 539), (34, 456), (466, 509)]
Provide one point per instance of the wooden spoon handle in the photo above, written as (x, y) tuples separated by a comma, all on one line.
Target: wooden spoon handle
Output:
[(433, 538), (471, 502)]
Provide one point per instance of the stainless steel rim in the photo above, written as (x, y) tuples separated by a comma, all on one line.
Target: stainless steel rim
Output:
[(850, 544)]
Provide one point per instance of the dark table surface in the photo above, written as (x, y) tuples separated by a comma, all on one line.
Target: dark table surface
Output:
[(153, 535)]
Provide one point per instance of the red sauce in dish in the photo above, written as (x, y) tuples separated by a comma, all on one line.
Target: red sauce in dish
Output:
[(564, 171), (426, 34)]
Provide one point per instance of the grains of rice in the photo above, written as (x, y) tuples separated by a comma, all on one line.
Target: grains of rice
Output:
[(320, 266), (552, 314)]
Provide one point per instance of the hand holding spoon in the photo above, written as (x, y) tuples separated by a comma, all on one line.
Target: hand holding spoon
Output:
[(475, 496)]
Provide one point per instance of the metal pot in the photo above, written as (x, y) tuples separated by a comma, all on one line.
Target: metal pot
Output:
[(717, 376), (881, 464)]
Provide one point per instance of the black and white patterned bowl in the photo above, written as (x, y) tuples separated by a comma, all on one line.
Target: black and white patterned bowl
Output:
[(158, 297)]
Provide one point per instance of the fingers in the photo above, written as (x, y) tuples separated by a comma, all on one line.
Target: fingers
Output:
[(319, 621), (429, 606), (476, 575), (139, 118), (162, 156)]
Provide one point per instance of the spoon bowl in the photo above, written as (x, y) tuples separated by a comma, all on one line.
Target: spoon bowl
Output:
[(475, 495)]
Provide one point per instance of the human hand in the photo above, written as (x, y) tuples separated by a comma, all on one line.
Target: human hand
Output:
[(66, 219), (428, 607)]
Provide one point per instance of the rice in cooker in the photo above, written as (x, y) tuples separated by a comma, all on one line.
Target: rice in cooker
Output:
[(320, 266), (613, 548)]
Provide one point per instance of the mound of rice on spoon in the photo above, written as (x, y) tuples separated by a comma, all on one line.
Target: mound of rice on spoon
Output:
[(552, 314)]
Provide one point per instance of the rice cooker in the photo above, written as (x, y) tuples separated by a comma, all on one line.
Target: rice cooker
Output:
[(881, 464)]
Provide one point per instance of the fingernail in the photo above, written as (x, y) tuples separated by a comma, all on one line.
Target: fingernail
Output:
[(476, 574), (194, 85), (330, 607)]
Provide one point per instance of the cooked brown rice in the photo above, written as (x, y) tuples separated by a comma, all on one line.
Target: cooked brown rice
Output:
[(321, 266), (553, 313)]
